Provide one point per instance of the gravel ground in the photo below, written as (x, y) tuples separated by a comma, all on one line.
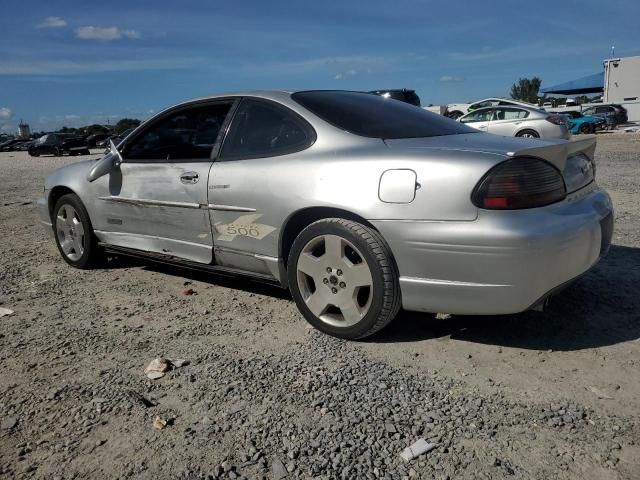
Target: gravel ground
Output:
[(535, 395)]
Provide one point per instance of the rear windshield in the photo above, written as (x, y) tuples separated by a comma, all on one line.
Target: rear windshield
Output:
[(369, 115)]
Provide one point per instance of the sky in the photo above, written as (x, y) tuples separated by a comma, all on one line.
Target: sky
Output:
[(77, 62)]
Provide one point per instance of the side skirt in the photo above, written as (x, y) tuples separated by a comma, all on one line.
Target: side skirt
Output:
[(181, 263)]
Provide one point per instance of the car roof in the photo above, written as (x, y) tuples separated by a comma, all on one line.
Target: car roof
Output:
[(522, 107)]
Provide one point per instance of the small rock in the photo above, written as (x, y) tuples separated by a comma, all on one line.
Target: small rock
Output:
[(9, 422)]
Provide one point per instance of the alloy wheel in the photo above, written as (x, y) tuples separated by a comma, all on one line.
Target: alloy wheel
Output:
[(70, 232), (334, 280)]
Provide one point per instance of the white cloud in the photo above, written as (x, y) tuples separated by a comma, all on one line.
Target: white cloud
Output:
[(53, 22), (449, 78), (5, 113), (72, 117), (8, 128), (352, 72), (105, 33)]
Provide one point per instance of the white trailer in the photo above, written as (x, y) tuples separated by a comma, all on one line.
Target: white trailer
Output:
[(622, 84)]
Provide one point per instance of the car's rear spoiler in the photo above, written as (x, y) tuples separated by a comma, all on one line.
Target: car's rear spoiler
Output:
[(558, 153)]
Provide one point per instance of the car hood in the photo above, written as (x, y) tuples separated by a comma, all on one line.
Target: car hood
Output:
[(554, 151)]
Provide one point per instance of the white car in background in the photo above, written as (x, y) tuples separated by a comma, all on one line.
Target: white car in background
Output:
[(456, 110), (517, 121)]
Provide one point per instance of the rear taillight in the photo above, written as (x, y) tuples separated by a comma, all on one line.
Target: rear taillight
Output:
[(556, 119), (519, 183)]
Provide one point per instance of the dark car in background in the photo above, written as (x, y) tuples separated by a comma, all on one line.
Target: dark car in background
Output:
[(116, 139), (94, 140), (58, 144), (613, 113), (402, 94), (10, 145)]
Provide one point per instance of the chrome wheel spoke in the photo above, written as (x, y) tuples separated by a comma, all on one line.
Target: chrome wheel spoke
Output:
[(350, 311), (317, 303), (359, 275), (67, 245), (78, 228), (310, 265), (333, 247), (61, 224)]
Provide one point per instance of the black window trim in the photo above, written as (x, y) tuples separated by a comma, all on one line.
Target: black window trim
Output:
[(233, 101), (307, 127)]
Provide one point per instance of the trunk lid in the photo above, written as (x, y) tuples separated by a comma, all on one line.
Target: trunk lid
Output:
[(573, 158)]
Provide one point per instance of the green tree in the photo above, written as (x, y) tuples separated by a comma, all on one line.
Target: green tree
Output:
[(526, 89), (126, 124)]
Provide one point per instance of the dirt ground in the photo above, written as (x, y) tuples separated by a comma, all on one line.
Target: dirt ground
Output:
[(534, 395)]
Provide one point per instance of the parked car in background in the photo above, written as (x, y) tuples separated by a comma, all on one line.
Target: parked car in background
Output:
[(58, 144), (402, 94), (117, 139), (579, 123), (357, 204), (456, 110), (517, 121), (616, 112), (93, 140), (10, 145)]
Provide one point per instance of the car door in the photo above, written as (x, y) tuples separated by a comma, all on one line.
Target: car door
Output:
[(246, 219), (478, 119), (507, 120), (157, 201)]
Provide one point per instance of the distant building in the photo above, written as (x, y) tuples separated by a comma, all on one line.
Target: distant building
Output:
[(24, 131), (622, 84)]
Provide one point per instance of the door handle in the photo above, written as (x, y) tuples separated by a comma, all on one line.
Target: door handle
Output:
[(189, 177)]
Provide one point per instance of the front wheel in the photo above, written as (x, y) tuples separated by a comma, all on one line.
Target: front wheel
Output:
[(528, 134), (74, 234), (343, 278)]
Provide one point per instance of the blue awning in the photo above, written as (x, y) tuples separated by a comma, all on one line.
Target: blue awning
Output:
[(589, 84)]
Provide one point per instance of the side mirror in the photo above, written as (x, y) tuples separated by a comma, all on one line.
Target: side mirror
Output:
[(106, 165)]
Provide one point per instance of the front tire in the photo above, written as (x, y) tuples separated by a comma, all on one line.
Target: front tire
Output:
[(343, 278), (74, 234)]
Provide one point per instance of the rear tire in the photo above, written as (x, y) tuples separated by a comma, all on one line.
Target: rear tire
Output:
[(343, 278), (586, 128), (74, 235), (528, 134)]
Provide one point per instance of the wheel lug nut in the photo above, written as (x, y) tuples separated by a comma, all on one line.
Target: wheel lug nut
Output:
[(339, 272), (334, 290), (342, 284), (328, 269), (326, 280)]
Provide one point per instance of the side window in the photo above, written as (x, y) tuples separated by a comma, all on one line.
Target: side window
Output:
[(510, 114), (480, 116), (478, 105), (263, 129), (186, 134)]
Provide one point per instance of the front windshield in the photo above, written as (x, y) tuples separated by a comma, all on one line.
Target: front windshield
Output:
[(42, 139), (373, 116)]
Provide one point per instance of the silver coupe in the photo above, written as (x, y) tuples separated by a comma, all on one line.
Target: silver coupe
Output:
[(358, 204)]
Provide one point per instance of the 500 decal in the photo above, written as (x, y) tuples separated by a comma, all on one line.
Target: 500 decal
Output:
[(244, 230), (243, 226)]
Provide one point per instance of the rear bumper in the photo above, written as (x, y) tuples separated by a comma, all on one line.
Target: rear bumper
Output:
[(503, 262)]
